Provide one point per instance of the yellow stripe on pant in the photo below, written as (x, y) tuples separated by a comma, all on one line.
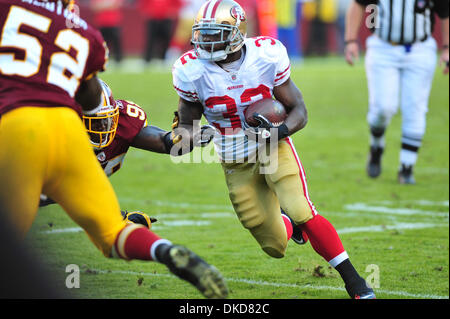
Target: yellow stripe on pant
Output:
[(47, 150)]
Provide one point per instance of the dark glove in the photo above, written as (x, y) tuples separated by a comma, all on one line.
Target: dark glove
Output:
[(138, 217), (171, 138), (175, 122), (263, 130), (207, 133)]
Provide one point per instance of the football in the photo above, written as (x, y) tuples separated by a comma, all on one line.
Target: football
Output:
[(271, 109)]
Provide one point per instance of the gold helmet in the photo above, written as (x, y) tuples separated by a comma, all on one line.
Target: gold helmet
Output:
[(219, 29), (102, 126)]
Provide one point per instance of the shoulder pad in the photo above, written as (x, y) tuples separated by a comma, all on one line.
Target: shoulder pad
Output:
[(188, 67), (266, 47)]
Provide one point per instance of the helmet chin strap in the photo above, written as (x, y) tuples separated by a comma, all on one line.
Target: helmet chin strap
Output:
[(214, 56)]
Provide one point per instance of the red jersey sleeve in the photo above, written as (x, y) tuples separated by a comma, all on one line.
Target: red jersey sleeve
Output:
[(132, 120)]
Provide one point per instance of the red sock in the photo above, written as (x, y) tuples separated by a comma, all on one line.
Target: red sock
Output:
[(324, 238), (288, 225), (135, 242)]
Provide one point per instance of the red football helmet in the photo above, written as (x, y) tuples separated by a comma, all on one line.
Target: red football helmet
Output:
[(102, 126)]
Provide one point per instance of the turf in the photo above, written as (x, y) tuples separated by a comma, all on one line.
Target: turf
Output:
[(402, 230)]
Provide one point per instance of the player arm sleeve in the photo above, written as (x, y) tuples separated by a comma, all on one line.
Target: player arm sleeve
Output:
[(183, 86), (283, 70), (151, 138)]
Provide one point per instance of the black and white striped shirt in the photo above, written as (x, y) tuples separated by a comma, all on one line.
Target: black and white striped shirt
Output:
[(406, 21)]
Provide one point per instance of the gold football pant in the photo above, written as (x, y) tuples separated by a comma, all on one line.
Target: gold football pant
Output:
[(257, 197), (47, 150)]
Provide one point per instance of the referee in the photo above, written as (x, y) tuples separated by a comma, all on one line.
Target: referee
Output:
[(400, 63)]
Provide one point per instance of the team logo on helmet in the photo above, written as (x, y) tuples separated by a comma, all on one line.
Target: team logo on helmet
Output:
[(237, 13)]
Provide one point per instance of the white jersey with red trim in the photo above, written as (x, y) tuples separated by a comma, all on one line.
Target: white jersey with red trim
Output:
[(225, 95)]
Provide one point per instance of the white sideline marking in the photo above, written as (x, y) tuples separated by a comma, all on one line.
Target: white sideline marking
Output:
[(161, 203), (380, 228), (168, 215), (355, 206), (177, 223), (370, 228), (422, 202), (388, 210), (63, 230), (278, 285)]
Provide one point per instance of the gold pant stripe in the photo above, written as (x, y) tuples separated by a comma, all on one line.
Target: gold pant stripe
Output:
[(302, 175)]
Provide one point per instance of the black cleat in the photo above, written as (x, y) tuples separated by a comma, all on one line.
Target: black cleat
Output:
[(297, 234), (188, 266), (374, 161), (405, 175), (360, 290)]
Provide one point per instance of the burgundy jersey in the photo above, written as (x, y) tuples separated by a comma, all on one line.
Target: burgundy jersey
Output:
[(45, 53), (131, 121)]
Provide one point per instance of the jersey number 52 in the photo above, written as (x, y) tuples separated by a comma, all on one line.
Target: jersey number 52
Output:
[(61, 63)]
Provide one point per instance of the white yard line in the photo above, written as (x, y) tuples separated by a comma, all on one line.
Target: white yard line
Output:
[(359, 207), (161, 203), (347, 230), (422, 202), (380, 228), (278, 285), (363, 207)]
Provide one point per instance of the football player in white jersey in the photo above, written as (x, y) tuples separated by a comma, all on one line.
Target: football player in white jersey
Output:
[(225, 73)]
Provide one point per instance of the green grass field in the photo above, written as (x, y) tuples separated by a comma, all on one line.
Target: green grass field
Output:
[(401, 231)]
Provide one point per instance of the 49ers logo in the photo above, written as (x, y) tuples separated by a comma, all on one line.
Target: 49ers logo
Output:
[(238, 13)]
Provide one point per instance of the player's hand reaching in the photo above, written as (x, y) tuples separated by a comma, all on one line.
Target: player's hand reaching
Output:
[(175, 137), (178, 141), (351, 52)]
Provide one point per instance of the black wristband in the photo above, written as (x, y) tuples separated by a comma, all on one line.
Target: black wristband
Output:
[(168, 142), (445, 46), (350, 41), (283, 131)]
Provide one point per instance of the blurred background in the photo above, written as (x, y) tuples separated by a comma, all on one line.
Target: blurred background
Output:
[(157, 32)]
